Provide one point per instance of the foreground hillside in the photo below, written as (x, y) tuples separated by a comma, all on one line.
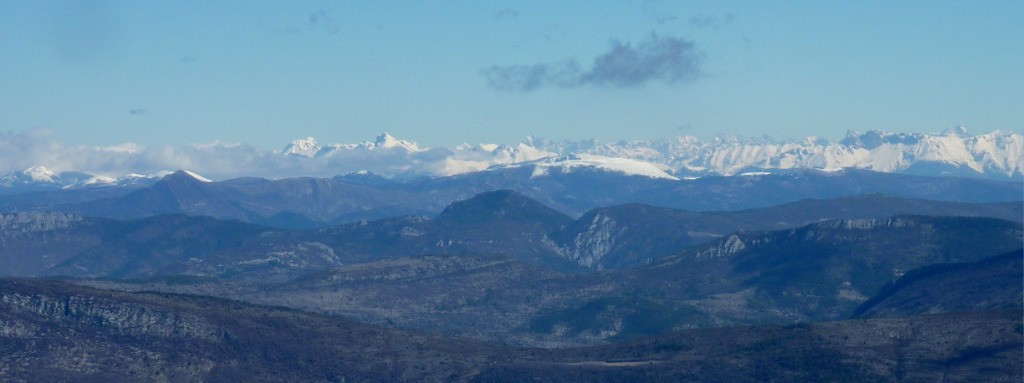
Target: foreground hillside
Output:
[(52, 331)]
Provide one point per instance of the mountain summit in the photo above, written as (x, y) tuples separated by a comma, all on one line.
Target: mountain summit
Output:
[(501, 205)]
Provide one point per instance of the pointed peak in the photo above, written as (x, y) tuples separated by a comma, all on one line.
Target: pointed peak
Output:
[(186, 175), (387, 141)]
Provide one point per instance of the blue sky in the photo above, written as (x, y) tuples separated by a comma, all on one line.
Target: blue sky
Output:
[(443, 73)]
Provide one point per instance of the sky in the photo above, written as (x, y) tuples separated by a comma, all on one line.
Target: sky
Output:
[(441, 73)]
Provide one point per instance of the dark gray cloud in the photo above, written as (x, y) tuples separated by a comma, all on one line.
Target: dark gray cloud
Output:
[(137, 112), (667, 59)]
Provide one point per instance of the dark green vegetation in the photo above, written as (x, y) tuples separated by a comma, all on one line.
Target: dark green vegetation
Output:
[(52, 331)]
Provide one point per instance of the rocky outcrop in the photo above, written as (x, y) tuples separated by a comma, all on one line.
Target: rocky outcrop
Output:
[(13, 224)]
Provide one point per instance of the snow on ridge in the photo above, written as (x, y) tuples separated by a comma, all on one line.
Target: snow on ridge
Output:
[(42, 177), (197, 176), (995, 154), (624, 166), (386, 141), (40, 173), (992, 154)]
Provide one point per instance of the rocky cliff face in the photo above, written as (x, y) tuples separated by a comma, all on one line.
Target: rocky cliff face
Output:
[(51, 331), (127, 319), (13, 224), (588, 248)]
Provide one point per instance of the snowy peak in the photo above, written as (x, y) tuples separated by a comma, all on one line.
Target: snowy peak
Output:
[(41, 174), (304, 147), (309, 148), (386, 141)]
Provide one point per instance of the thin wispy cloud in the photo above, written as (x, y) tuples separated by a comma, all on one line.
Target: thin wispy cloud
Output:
[(506, 14), (708, 21), (321, 21), (665, 19), (668, 60)]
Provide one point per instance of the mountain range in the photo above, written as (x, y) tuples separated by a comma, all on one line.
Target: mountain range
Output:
[(954, 152), (500, 222), (302, 203), (848, 288), (575, 267)]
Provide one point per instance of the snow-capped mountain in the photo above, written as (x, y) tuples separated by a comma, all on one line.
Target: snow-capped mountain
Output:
[(951, 153), (309, 148), (993, 155), (41, 178)]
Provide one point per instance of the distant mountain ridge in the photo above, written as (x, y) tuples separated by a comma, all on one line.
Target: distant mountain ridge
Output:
[(317, 202), (954, 152), (500, 222), (996, 154), (993, 155), (40, 178)]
